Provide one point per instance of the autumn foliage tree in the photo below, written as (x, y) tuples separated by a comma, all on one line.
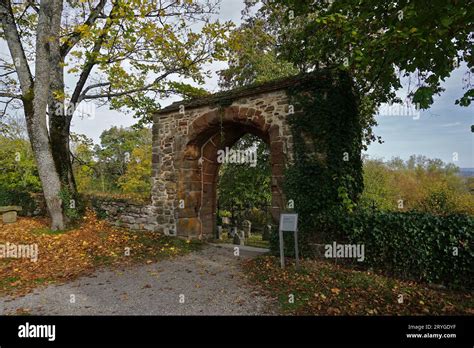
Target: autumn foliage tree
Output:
[(123, 53), (252, 56), (418, 184), (137, 177)]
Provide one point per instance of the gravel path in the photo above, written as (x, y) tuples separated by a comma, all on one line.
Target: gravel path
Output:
[(210, 282)]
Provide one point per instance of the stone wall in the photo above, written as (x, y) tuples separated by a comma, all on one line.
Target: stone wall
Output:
[(117, 211), (123, 213)]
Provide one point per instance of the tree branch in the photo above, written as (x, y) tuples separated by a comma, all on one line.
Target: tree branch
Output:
[(77, 36), (32, 4), (76, 95), (97, 85), (15, 46), (7, 103), (8, 73), (10, 95), (148, 87), (82, 163)]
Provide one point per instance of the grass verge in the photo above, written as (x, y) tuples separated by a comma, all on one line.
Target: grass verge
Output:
[(324, 288)]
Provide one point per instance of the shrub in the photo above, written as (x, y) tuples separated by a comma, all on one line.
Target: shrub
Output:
[(18, 197), (258, 217), (73, 206), (95, 204), (420, 183), (415, 245), (18, 167)]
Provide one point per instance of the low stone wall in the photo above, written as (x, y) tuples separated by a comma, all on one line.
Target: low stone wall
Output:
[(123, 213)]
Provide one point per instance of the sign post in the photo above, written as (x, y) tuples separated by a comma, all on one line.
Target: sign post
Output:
[(297, 258), (289, 223), (282, 256)]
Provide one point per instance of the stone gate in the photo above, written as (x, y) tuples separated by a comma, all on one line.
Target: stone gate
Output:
[(186, 138)]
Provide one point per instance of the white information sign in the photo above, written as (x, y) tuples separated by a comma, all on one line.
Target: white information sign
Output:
[(289, 222)]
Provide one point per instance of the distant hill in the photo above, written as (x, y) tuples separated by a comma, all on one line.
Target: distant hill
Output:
[(466, 172)]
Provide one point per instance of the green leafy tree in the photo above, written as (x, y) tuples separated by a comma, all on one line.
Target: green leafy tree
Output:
[(137, 178), (378, 191), (84, 165), (252, 56), (17, 164), (18, 173), (121, 164), (242, 185), (382, 42), (116, 148), (420, 184), (379, 43)]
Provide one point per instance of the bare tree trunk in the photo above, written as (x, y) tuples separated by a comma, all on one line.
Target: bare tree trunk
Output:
[(60, 120), (59, 134), (59, 138), (47, 33), (35, 94)]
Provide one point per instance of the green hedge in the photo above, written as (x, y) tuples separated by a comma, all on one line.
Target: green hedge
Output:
[(411, 245), (415, 245)]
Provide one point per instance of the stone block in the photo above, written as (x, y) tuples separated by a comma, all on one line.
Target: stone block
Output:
[(239, 238), (150, 227), (189, 227), (247, 228), (192, 152), (274, 131), (9, 217), (231, 113)]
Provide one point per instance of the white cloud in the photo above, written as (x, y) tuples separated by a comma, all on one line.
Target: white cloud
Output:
[(451, 124)]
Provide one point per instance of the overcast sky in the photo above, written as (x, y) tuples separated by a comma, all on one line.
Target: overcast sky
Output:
[(442, 132)]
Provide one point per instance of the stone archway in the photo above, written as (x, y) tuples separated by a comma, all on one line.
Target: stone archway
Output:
[(186, 138), (197, 181)]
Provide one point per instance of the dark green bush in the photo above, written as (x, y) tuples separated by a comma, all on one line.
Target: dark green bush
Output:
[(18, 197), (422, 246), (411, 245), (73, 204)]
